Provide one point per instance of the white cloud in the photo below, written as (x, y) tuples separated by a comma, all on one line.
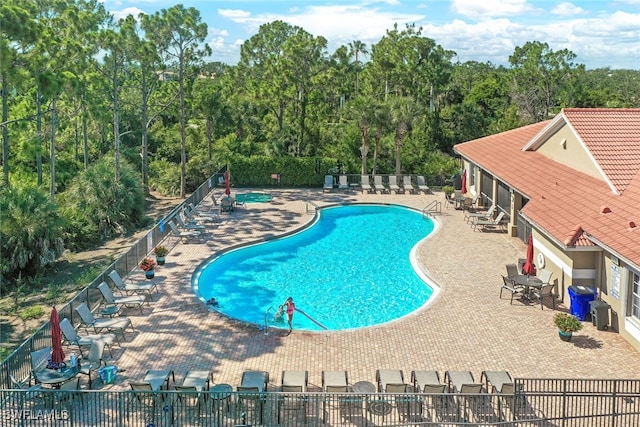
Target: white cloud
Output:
[(490, 8), (567, 9), (121, 14), (236, 15)]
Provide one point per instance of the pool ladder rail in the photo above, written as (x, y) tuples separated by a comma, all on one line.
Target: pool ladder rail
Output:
[(310, 202), (266, 320), (435, 207)]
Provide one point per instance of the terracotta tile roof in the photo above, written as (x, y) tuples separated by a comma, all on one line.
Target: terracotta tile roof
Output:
[(561, 199), (612, 135)]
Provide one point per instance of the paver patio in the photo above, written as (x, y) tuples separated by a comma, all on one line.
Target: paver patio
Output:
[(467, 327)]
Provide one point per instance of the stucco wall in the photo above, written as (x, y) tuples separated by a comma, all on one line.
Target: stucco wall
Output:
[(572, 153)]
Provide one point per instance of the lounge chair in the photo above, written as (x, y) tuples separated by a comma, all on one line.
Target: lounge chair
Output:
[(424, 380), (115, 325), (497, 222), (365, 184), (388, 377), (472, 216), (71, 336), (393, 184), (189, 393), (200, 380), (462, 382), (422, 184), (28, 392), (343, 183), (501, 383), (146, 287), (334, 382), (407, 185), (293, 382), (378, 185), (94, 360), (251, 390), (215, 213), (159, 379), (328, 183), (183, 235), (189, 226), (195, 218), (128, 301)]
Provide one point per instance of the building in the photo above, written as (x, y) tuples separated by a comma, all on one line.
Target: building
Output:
[(573, 183)]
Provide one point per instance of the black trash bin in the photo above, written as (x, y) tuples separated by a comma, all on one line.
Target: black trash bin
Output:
[(600, 314), (579, 297)]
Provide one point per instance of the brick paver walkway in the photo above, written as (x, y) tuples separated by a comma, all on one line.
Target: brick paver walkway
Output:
[(467, 327)]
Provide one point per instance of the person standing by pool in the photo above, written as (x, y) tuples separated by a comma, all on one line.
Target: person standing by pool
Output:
[(290, 307)]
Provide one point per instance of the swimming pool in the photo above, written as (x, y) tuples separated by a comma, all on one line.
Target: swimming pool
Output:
[(350, 269), (253, 197)]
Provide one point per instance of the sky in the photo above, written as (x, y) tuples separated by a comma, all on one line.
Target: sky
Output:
[(601, 33)]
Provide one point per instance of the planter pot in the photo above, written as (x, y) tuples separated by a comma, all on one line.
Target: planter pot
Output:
[(149, 274), (565, 336), (160, 260)]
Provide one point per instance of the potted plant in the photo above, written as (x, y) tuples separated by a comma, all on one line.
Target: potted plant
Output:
[(567, 324), (448, 190), (160, 252), (148, 265)]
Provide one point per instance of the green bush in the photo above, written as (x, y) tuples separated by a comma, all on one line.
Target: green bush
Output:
[(33, 312), (30, 236)]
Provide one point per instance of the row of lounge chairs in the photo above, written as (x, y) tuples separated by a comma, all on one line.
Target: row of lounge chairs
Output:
[(483, 220), (378, 184)]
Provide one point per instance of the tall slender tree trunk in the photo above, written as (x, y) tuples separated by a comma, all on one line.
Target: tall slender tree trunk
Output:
[(5, 131), (85, 137), (39, 136), (52, 148), (183, 136)]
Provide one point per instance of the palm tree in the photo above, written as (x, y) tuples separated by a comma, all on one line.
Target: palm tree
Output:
[(404, 111), (381, 117), (361, 110), (356, 48)]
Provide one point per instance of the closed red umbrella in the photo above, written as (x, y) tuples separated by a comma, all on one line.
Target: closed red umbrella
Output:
[(227, 183), (529, 268), (57, 354), (463, 187)]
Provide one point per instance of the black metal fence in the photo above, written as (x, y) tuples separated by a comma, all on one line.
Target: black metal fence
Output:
[(18, 363), (538, 402)]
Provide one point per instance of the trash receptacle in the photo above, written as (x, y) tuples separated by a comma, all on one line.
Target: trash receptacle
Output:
[(579, 297), (600, 314)]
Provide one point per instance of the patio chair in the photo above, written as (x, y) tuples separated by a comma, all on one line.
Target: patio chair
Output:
[(144, 398), (544, 276), (407, 185), (71, 337), (546, 291), (39, 358), (512, 270), (378, 185), (466, 391), (251, 391), (365, 183), (94, 360), (343, 183), (393, 184), (428, 383), (142, 287), (183, 235), (29, 392), (483, 224), (293, 382), (215, 212), (116, 325), (511, 287), (386, 377), (486, 215), (328, 183), (128, 301), (422, 184)]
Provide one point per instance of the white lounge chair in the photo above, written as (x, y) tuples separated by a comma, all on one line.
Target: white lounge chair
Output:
[(365, 183), (189, 226), (483, 224), (422, 184), (407, 185), (126, 301), (115, 325), (146, 287), (183, 235), (71, 336), (393, 184), (343, 183), (328, 183), (378, 185)]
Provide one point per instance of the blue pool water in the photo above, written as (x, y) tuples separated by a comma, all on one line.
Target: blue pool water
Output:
[(254, 197), (350, 269)]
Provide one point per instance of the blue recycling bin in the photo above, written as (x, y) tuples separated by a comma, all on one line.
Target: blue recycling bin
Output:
[(579, 297)]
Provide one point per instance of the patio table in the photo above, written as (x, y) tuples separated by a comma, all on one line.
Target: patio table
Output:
[(527, 282)]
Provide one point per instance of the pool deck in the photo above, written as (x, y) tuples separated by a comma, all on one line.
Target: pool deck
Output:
[(467, 327)]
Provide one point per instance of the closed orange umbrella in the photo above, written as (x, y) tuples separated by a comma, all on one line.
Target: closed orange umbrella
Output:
[(57, 354)]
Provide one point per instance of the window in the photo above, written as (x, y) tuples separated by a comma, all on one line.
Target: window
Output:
[(635, 296), (472, 175)]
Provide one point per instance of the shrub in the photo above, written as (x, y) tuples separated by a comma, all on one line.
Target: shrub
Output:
[(33, 312)]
